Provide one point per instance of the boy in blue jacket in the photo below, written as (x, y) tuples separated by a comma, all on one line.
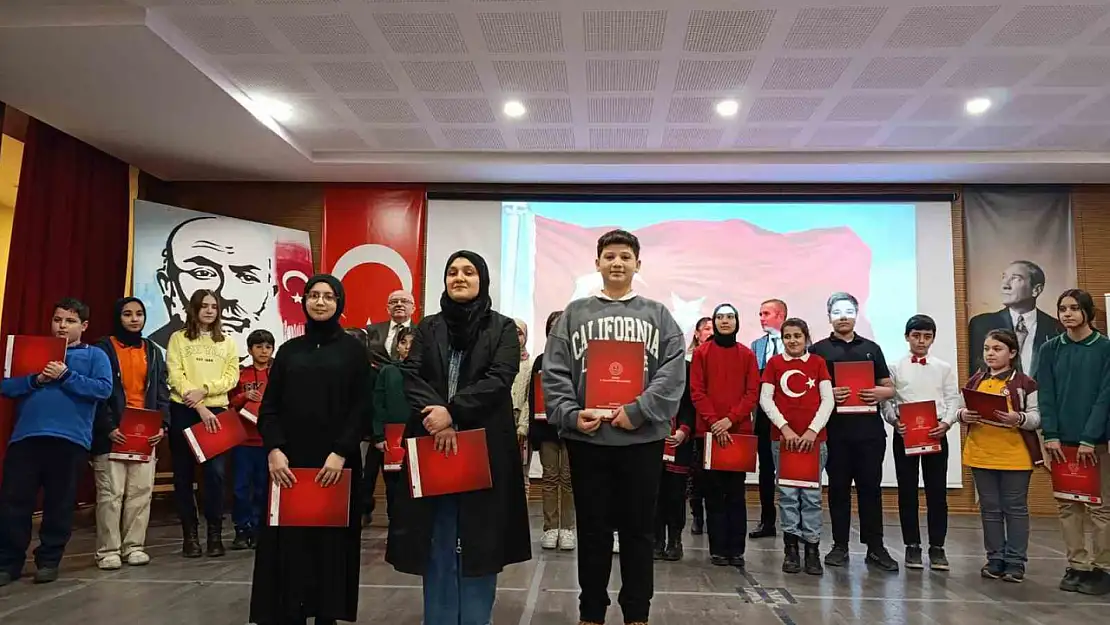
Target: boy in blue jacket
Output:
[(51, 441)]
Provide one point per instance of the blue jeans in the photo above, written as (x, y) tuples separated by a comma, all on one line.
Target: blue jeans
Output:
[(251, 483), (800, 508), (1004, 508), (450, 598), (185, 466)]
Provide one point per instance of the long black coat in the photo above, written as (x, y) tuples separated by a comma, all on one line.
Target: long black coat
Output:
[(493, 523), (316, 403)]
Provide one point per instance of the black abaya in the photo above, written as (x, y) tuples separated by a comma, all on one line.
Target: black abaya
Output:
[(316, 403)]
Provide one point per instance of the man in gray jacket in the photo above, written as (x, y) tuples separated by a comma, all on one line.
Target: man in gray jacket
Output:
[(615, 458)]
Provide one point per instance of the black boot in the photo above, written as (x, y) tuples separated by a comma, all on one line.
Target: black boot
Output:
[(190, 542), (791, 562), (813, 559), (697, 509), (242, 540), (215, 543), (660, 545), (673, 552)]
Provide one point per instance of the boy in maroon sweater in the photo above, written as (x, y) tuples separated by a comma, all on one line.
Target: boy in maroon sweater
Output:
[(724, 386), (248, 460)]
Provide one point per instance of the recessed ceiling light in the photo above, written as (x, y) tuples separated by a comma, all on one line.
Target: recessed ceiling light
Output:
[(277, 110), (727, 108), (977, 106), (514, 108)]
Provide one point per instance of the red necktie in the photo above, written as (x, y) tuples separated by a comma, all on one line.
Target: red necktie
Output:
[(918, 361)]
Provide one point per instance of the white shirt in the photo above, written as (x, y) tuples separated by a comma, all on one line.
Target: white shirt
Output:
[(393, 327), (1026, 347), (824, 409), (773, 345), (935, 380)]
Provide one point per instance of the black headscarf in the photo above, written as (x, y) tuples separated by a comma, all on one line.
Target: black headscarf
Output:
[(464, 318), (121, 334), (320, 331), (724, 340)]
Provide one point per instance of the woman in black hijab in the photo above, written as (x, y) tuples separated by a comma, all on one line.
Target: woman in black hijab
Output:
[(313, 415), (459, 376)]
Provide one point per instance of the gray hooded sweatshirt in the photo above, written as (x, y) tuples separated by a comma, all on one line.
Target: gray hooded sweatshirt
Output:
[(632, 318)]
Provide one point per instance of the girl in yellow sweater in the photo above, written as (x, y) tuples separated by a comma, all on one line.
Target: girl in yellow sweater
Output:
[(1002, 456), (203, 367)]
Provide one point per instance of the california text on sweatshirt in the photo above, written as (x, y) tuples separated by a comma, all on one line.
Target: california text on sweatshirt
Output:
[(724, 383), (1073, 383), (63, 408), (632, 318)]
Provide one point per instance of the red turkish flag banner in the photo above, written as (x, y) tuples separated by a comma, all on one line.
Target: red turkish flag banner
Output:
[(692, 266), (293, 266), (374, 241)]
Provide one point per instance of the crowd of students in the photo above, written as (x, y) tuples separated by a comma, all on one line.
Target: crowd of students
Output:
[(606, 486)]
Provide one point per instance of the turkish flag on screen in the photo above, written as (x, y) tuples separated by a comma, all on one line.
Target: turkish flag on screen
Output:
[(692, 266)]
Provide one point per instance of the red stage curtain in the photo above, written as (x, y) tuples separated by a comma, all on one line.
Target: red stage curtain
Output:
[(69, 238)]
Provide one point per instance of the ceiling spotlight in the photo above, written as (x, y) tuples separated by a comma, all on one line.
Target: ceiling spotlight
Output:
[(727, 108), (514, 109), (275, 109), (977, 106)]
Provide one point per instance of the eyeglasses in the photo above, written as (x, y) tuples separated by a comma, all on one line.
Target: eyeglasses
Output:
[(394, 302), (316, 296)]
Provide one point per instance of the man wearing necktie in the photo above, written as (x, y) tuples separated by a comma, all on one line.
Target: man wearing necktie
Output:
[(383, 335), (772, 313), (1022, 283)]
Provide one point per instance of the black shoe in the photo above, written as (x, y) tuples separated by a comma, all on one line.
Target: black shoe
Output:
[(698, 526), (938, 561), (737, 561), (1097, 582), (215, 543), (718, 560), (5, 578), (879, 558), (46, 574), (791, 559), (913, 557), (838, 556), (993, 569), (657, 549), (1015, 574), (1072, 580), (813, 559), (242, 540), (673, 552), (763, 530), (190, 542)]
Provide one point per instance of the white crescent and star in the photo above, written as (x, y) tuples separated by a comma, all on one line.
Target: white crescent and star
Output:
[(293, 273), (374, 253), (784, 383)]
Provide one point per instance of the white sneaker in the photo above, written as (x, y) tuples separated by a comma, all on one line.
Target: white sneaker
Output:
[(109, 563), (138, 558), (616, 543), (567, 541), (550, 539)]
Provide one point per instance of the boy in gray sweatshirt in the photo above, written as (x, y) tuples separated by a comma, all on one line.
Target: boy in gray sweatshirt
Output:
[(615, 460)]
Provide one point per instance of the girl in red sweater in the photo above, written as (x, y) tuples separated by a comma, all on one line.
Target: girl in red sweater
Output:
[(724, 386)]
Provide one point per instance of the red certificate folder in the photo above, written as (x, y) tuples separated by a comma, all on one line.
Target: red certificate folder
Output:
[(856, 376), (919, 417), (249, 412), (614, 374), (985, 404), (1074, 482), (800, 469), (307, 504), (433, 473), (668, 452), (393, 458), (537, 399), (28, 355), (739, 455), (138, 426), (206, 446)]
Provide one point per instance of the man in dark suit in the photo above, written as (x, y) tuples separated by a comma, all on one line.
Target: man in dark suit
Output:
[(383, 335), (1022, 282), (771, 315)]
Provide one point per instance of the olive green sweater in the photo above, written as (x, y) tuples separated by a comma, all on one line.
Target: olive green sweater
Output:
[(390, 405), (1073, 384)]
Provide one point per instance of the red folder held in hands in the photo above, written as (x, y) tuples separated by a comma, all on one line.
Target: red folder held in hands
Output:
[(800, 469), (307, 504), (206, 446), (433, 473), (985, 404), (668, 452), (138, 426), (1072, 481), (739, 455), (393, 458), (919, 417), (537, 398), (26, 355), (857, 376), (614, 374)]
